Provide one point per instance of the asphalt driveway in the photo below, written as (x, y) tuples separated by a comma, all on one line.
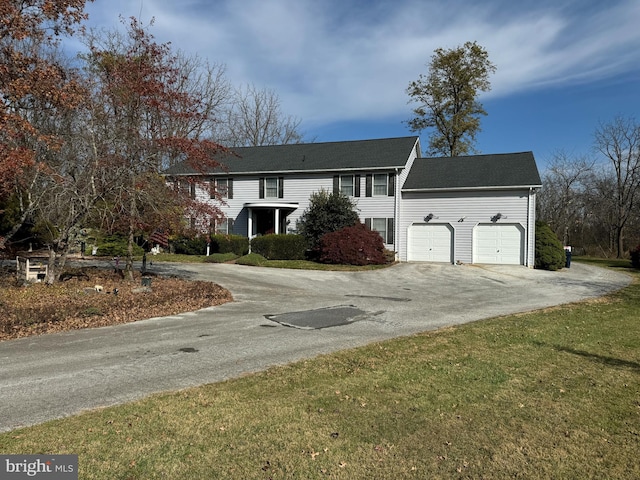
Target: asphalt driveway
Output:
[(278, 316)]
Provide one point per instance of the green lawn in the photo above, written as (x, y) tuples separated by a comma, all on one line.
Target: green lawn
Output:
[(549, 394)]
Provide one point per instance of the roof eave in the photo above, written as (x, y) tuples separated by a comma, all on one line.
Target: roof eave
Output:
[(484, 188), (283, 172)]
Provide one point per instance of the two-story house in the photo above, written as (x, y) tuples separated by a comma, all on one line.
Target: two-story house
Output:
[(475, 209)]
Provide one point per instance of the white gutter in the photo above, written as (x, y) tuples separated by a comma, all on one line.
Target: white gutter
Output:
[(282, 172), (451, 189)]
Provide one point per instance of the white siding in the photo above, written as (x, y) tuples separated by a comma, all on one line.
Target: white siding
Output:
[(463, 211), (401, 231), (297, 189)]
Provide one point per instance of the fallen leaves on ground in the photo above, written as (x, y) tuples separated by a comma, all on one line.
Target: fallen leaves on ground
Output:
[(74, 304)]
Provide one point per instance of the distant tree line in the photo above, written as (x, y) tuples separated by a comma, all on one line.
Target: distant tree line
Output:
[(592, 201)]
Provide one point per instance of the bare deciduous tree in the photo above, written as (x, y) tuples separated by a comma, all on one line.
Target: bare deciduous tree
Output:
[(619, 142), (562, 200), (255, 118)]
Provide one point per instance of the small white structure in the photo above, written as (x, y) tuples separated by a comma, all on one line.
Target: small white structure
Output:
[(31, 271)]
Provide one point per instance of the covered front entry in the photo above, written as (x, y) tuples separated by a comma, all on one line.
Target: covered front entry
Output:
[(430, 243), (268, 217), (498, 244)]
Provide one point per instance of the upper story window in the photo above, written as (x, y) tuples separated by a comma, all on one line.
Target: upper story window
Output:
[(185, 186), (271, 187), (381, 184), (348, 185), (222, 186)]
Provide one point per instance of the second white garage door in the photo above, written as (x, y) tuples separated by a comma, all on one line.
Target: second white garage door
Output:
[(430, 243), (499, 244)]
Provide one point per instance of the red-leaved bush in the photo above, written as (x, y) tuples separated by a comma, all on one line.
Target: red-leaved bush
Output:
[(356, 245)]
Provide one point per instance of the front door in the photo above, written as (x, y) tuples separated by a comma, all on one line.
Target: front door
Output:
[(264, 221)]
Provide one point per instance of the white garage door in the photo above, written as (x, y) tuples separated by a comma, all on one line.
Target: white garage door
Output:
[(502, 244), (430, 243)]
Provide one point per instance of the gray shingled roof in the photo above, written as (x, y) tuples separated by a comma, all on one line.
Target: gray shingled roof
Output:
[(473, 172), (307, 157)]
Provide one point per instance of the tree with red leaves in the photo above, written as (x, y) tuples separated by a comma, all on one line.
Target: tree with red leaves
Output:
[(138, 100), (30, 81)]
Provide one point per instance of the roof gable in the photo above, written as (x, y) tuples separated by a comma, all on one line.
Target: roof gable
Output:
[(474, 172), (310, 157)]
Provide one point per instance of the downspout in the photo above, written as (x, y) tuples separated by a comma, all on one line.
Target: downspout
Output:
[(249, 225), (529, 227), (396, 213)]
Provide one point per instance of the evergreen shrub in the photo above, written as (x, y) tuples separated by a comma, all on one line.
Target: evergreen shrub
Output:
[(550, 254), (327, 212)]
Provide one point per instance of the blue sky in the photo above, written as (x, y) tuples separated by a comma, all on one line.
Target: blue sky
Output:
[(342, 66)]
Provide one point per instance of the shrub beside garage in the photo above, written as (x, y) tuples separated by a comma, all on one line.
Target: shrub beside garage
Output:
[(550, 254)]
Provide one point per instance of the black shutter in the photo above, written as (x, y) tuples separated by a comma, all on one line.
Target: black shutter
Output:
[(390, 230), (336, 184), (192, 190), (367, 223), (261, 188), (391, 188), (280, 187), (230, 188), (356, 188), (369, 186), (212, 189)]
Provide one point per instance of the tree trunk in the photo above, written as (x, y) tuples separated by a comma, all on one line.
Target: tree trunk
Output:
[(620, 238), (132, 225), (51, 266)]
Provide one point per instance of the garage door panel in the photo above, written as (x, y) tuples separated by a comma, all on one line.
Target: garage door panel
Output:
[(430, 243), (499, 244)]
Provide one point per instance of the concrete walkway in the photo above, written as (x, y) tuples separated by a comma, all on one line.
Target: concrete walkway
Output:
[(52, 376)]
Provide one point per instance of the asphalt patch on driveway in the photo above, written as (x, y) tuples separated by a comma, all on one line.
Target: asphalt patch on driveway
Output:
[(320, 317)]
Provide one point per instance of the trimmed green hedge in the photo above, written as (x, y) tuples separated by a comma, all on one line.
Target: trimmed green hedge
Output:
[(236, 244), (189, 246), (230, 244), (280, 246)]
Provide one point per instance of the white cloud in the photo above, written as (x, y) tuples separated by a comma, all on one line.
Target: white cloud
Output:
[(334, 60)]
